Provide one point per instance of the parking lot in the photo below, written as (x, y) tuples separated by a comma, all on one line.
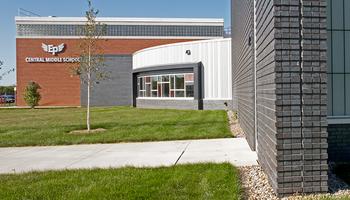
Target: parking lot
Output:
[(7, 100)]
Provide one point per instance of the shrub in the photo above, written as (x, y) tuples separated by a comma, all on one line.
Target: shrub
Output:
[(32, 95)]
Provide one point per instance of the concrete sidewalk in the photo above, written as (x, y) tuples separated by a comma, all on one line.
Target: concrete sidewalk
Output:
[(149, 154)]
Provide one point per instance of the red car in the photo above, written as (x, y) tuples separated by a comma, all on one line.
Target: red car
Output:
[(2, 100), (7, 99)]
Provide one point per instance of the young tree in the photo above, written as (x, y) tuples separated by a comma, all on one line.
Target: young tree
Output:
[(32, 95), (90, 69)]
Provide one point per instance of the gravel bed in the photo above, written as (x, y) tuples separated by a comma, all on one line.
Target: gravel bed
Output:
[(255, 184), (256, 187), (236, 129)]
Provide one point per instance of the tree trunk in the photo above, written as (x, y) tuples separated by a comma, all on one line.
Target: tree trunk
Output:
[(88, 95), (88, 107)]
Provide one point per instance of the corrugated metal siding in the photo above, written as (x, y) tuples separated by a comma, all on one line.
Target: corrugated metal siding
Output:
[(215, 56)]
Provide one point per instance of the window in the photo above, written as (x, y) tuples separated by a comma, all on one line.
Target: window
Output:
[(338, 14), (165, 90), (338, 55), (339, 101), (338, 51), (166, 86), (179, 81), (189, 90), (179, 93), (330, 94), (172, 82), (141, 86), (189, 82), (120, 30), (347, 14), (347, 51), (347, 92), (148, 90)]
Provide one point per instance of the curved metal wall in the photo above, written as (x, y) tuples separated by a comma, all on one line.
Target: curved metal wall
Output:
[(215, 56)]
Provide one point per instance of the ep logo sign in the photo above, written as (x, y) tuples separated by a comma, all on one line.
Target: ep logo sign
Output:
[(53, 49)]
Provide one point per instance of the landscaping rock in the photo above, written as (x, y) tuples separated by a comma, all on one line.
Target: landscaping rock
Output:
[(256, 187), (255, 184), (236, 129)]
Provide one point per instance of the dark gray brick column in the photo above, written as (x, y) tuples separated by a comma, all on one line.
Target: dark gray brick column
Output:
[(301, 89), (314, 96), (289, 97), (291, 90)]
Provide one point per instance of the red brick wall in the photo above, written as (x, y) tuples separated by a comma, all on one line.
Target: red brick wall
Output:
[(59, 88)]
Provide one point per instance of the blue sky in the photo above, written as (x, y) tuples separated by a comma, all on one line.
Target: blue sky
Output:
[(108, 8)]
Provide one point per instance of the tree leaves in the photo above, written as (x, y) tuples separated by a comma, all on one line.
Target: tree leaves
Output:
[(32, 95), (91, 66)]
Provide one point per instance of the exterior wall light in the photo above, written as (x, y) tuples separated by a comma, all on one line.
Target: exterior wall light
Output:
[(250, 41)]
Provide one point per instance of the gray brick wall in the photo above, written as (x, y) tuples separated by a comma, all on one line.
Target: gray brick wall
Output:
[(167, 104), (291, 92), (182, 104), (339, 142), (267, 89), (117, 89), (243, 58)]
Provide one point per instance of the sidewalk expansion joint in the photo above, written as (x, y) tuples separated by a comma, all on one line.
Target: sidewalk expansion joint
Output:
[(182, 153)]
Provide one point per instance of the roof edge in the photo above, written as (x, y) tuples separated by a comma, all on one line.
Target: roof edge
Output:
[(107, 20)]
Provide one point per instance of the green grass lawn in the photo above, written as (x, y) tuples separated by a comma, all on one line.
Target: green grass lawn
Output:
[(202, 181), (40, 127)]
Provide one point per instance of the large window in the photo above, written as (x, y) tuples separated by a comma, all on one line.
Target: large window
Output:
[(166, 86), (338, 17)]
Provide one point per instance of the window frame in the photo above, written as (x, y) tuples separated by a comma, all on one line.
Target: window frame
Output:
[(160, 82)]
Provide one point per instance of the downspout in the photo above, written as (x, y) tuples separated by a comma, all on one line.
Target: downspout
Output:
[(255, 84)]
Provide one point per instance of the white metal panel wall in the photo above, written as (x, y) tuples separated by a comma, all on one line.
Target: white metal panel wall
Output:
[(214, 54)]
